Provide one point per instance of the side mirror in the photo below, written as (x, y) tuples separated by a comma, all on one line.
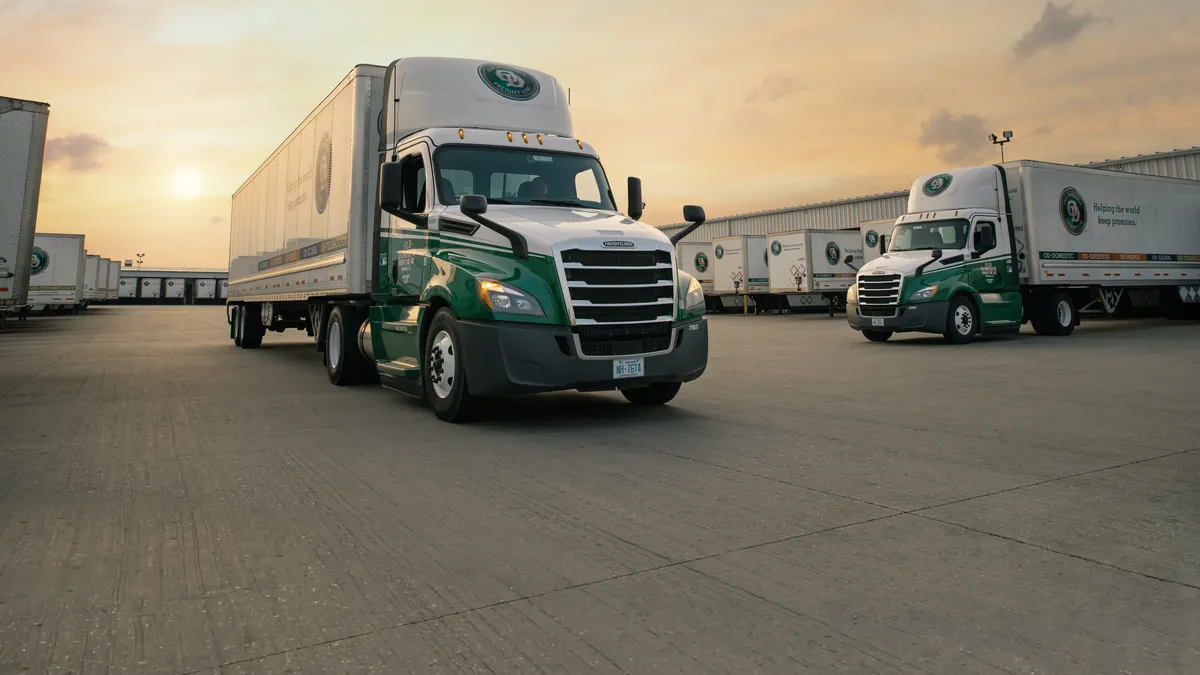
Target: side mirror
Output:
[(391, 188), (473, 205), (849, 259), (693, 214), (635, 198)]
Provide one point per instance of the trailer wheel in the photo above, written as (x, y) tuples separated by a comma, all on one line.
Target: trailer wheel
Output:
[(962, 321), (444, 370), (877, 335), (236, 329), (1054, 314), (252, 329), (344, 363), (658, 393)]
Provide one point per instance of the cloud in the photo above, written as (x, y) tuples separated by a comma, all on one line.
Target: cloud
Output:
[(774, 88), (215, 220), (957, 137), (81, 152), (1059, 26)]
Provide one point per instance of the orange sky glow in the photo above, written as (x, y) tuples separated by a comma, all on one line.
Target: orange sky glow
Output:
[(159, 110)]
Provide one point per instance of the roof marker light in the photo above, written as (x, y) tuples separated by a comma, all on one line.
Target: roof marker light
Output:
[(510, 137), (460, 133), (525, 137)]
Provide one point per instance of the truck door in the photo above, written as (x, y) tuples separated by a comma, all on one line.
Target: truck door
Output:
[(993, 276), (407, 244)]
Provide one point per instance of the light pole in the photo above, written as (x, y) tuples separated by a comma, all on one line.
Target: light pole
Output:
[(1000, 142), (139, 260)]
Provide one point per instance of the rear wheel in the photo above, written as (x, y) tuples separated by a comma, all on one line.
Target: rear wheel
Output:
[(444, 370), (237, 326), (962, 321), (1054, 314), (344, 363), (252, 329), (655, 394), (877, 335)]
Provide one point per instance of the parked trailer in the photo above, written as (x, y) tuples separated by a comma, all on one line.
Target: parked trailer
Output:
[(510, 272), (127, 288), (22, 151), (175, 289), (206, 289), (150, 289), (875, 234), (56, 276), (223, 291), (740, 274), (91, 279), (985, 249), (112, 287), (811, 267), (695, 258)]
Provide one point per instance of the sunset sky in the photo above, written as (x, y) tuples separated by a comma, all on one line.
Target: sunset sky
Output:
[(160, 109)]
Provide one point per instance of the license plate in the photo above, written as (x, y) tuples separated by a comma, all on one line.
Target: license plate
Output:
[(876, 322), (626, 368)]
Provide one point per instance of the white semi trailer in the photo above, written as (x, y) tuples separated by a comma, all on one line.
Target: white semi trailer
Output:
[(696, 259), (811, 267), (985, 249), (436, 226), (175, 289), (740, 274), (22, 151), (91, 280), (57, 272), (205, 289), (150, 288), (127, 288), (874, 234), (112, 285)]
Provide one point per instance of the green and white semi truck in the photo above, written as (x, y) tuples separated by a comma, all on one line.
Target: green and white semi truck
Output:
[(436, 227), (985, 249)]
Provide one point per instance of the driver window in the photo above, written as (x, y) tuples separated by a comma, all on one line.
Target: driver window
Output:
[(985, 230), (413, 181)]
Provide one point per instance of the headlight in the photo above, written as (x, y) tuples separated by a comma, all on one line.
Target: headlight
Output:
[(695, 295), (924, 294), (504, 299), (852, 293)]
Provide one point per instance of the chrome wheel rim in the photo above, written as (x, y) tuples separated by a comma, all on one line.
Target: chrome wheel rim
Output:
[(1064, 313), (442, 364), (335, 345), (964, 323)]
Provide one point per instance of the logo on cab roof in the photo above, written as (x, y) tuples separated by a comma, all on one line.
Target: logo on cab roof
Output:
[(511, 83), (618, 244), (937, 185), (1073, 211)]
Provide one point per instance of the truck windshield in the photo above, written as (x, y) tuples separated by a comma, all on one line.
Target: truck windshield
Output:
[(521, 176), (930, 234)]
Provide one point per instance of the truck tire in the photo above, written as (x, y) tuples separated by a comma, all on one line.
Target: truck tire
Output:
[(252, 329), (962, 321), (655, 394), (1054, 314), (444, 372), (344, 363), (237, 326), (877, 335)]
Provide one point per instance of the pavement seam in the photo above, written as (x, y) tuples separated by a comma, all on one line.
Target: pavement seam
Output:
[(62, 356), (1058, 552), (535, 596)]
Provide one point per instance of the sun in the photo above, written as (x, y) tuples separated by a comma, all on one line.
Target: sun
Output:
[(187, 183)]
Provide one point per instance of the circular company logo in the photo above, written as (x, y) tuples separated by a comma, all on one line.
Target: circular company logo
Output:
[(719, 251), (776, 247), (170, 283), (122, 282), (872, 238), (145, 283), (701, 262), (1073, 211), (41, 260), (511, 83), (323, 174), (833, 253), (937, 185)]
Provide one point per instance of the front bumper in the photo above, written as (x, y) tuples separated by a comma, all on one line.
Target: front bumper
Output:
[(923, 317), (508, 359)]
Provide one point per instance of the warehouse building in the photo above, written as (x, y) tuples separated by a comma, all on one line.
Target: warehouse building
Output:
[(846, 214), (179, 286)]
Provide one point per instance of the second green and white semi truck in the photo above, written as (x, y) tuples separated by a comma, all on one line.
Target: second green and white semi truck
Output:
[(985, 249), (436, 226)]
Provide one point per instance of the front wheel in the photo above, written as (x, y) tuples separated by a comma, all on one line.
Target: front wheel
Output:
[(877, 335), (658, 393), (962, 321), (445, 372)]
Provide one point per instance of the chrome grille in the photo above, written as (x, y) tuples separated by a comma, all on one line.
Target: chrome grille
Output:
[(878, 289), (623, 302)]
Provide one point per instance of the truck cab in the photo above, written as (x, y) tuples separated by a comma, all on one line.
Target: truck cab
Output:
[(950, 266)]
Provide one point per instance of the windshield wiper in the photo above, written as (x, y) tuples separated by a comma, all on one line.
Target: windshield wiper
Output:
[(560, 202), (497, 200)]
